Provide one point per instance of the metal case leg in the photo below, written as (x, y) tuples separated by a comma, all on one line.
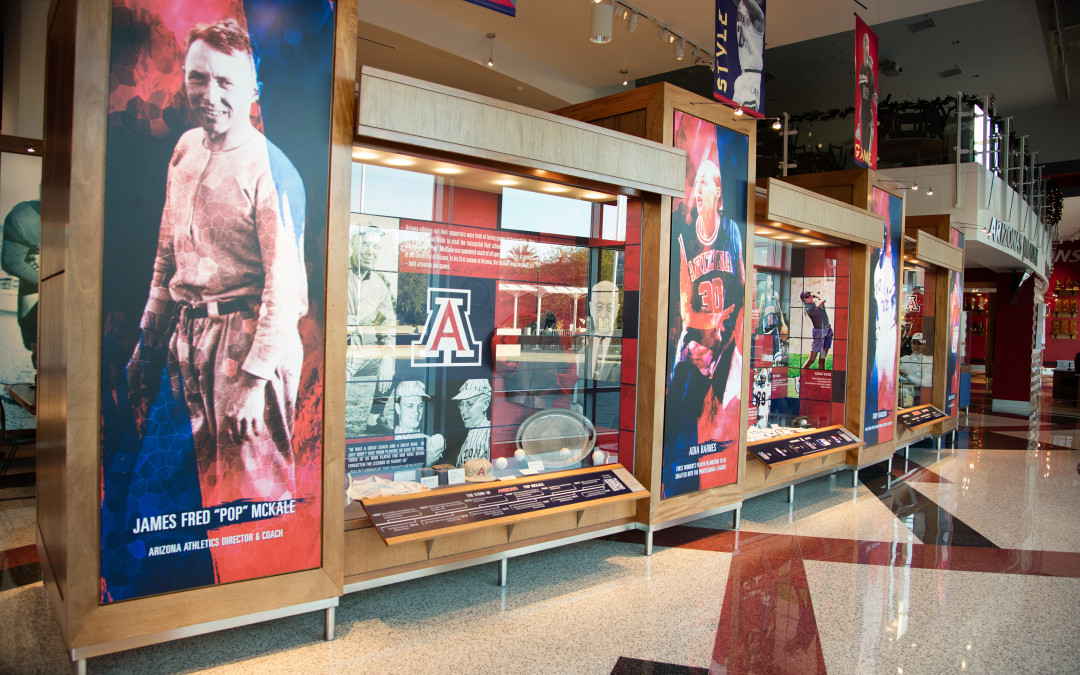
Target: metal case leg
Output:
[(791, 494), (502, 571), (330, 623), (648, 542), (737, 518), (854, 478)]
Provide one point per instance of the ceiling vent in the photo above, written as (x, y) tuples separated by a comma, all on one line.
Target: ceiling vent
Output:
[(925, 24), (951, 72)]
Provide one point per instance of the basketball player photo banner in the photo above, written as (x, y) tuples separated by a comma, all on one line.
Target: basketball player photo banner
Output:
[(883, 333), (739, 54), (704, 351), (213, 300), (866, 96)]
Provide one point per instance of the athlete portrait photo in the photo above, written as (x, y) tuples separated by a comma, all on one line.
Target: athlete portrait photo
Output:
[(708, 271), (213, 290)]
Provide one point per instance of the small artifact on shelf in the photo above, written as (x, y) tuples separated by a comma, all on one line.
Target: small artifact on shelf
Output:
[(374, 486)]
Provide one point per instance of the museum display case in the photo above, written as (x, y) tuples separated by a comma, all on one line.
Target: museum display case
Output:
[(491, 305), (933, 301)]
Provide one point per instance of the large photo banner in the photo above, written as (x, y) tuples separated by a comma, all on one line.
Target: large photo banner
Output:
[(952, 381), (739, 57), (866, 95), (213, 302), (883, 331), (705, 322)]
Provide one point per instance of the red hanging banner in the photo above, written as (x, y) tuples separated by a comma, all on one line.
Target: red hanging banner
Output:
[(866, 96)]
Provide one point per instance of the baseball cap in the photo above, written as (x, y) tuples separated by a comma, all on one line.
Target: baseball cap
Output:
[(478, 470), (473, 388), (410, 388), (917, 336)]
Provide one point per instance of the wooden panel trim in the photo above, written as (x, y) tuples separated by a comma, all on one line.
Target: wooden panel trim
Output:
[(798, 206), (397, 108), (480, 552), (21, 145), (930, 249)]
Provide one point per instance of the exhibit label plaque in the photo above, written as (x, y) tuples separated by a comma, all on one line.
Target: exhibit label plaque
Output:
[(920, 416), (775, 451), (449, 511)]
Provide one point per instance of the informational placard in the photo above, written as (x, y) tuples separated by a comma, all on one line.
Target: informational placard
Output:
[(705, 310), (796, 447), (412, 518), (213, 293), (919, 416)]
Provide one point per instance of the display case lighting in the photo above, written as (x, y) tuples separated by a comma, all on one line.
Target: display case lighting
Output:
[(447, 170), (364, 154), (595, 195), (554, 188), (506, 182), (781, 236), (399, 161)]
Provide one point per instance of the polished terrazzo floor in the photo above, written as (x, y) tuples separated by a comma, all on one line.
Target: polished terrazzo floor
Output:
[(962, 560)]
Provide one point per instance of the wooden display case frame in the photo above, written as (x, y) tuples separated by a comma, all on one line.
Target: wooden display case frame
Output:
[(649, 112), (403, 114), (783, 205), (934, 250), (73, 199), (856, 187)]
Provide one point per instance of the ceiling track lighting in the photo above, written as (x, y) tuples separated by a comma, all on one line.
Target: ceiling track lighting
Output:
[(776, 124), (680, 50), (491, 50), (625, 80), (603, 15), (739, 111), (631, 23)]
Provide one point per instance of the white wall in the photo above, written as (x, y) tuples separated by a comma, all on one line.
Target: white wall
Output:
[(23, 110)]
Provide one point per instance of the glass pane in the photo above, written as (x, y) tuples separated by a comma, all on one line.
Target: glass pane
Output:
[(799, 325), (485, 325)]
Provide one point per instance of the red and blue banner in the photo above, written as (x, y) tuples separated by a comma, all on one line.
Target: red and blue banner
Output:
[(213, 295), (883, 333), (507, 7), (703, 400), (739, 54), (866, 95)]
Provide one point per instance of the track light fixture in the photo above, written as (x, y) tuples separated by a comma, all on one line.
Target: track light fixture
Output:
[(776, 124), (491, 50), (680, 50), (929, 192), (915, 186), (739, 111), (603, 14), (631, 23), (625, 80)]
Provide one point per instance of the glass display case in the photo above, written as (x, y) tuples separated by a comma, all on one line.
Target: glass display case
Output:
[(485, 335), (917, 336), (799, 330)]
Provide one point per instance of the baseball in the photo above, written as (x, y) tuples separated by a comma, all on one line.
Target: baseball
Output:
[(501, 463), (598, 458), (519, 454), (565, 452)]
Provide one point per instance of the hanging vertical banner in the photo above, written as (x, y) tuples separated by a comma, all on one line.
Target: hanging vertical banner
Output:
[(952, 380), (739, 54), (866, 98), (503, 6), (705, 310), (883, 332), (217, 165)]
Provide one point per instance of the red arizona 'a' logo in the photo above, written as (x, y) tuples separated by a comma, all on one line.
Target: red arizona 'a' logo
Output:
[(448, 335)]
